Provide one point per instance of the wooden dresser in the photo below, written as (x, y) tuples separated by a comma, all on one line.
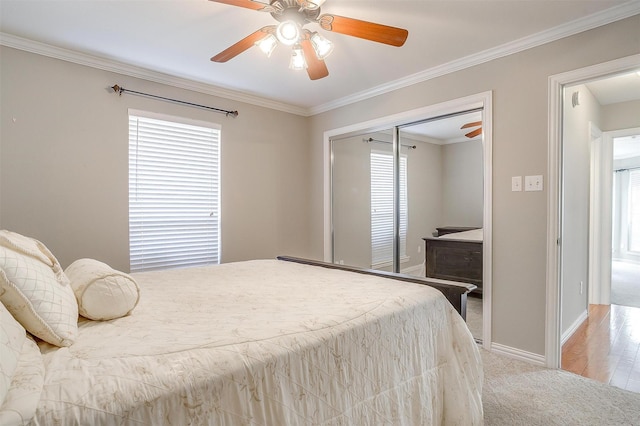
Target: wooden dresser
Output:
[(454, 260)]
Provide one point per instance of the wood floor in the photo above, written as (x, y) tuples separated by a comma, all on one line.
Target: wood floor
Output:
[(606, 347)]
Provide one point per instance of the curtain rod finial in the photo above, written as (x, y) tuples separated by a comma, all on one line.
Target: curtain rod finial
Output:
[(117, 89)]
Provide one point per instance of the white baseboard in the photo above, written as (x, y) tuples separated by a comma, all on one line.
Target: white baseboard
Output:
[(518, 354), (574, 327), (412, 270)]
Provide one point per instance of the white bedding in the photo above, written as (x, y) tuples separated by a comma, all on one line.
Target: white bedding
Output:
[(471, 235), (268, 343)]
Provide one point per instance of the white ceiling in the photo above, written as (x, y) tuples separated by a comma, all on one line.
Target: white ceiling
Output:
[(177, 38), (616, 89)]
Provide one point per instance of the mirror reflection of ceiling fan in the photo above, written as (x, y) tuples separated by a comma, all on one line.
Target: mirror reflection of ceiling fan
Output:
[(308, 48), (473, 133)]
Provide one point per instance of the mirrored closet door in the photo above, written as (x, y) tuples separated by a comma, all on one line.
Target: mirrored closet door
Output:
[(440, 190), (392, 212)]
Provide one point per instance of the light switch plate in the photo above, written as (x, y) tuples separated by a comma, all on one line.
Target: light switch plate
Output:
[(533, 183), (516, 183)]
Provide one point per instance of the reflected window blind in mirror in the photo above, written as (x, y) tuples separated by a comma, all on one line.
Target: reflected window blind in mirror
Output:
[(382, 208)]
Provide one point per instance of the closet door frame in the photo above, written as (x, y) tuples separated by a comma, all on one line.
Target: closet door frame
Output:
[(395, 121)]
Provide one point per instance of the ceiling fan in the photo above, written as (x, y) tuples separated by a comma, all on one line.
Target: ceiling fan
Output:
[(473, 133), (309, 48)]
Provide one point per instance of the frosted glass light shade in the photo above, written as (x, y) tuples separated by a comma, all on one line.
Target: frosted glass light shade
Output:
[(288, 33), (321, 46), (297, 59), (268, 44)]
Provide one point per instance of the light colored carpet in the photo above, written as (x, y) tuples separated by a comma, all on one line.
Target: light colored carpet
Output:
[(517, 393), (625, 283)]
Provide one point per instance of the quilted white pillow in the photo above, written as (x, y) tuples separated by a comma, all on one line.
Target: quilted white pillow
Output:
[(102, 292), (12, 336), (35, 290)]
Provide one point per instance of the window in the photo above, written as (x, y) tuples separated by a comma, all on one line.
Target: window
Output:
[(634, 211), (382, 208), (174, 192)]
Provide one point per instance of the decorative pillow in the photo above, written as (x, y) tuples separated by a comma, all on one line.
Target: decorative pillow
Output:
[(21, 402), (35, 290), (102, 292), (12, 336)]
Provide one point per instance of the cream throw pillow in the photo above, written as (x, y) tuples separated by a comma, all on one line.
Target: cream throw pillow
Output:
[(102, 292), (35, 290)]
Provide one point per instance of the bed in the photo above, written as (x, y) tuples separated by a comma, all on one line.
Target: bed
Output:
[(456, 255), (263, 342)]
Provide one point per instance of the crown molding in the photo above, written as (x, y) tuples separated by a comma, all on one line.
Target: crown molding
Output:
[(613, 14), (110, 65), (595, 20)]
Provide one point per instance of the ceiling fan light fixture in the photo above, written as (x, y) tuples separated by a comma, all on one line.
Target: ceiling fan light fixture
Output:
[(322, 46), (297, 59), (288, 33), (268, 44)]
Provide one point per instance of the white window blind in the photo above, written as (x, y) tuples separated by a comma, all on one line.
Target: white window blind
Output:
[(634, 211), (174, 194), (382, 208)]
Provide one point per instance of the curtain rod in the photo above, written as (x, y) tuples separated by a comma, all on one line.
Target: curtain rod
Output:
[(119, 90), (379, 141), (626, 169)]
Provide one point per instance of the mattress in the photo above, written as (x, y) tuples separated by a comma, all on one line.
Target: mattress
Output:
[(268, 342), (471, 235)]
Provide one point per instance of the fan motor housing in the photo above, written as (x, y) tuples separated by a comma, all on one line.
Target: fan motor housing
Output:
[(290, 10)]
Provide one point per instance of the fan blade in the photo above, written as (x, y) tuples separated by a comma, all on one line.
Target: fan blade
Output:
[(248, 4), (472, 124), (242, 45), (363, 29), (316, 68), (474, 133)]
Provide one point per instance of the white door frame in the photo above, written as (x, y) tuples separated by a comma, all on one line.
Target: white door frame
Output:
[(483, 100), (600, 208), (556, 83)]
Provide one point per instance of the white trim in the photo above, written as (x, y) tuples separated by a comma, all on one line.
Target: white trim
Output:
[(111, 65), (577, 323), (600, 214), (518, 354), (386, 264), (412, 270), (595, 20), (556, 83), (596, 148), (480, 100), (487, 226), (583, 24)]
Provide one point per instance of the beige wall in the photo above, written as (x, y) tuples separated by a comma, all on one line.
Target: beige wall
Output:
[(63, 170), (520, 130), (351, 197), (351, 200), (576, 150), (64, 173), (624, 115), (462, 191)]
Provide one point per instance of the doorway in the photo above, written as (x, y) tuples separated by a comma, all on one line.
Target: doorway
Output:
[(568, 271), (348, 180), (625, 259)]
